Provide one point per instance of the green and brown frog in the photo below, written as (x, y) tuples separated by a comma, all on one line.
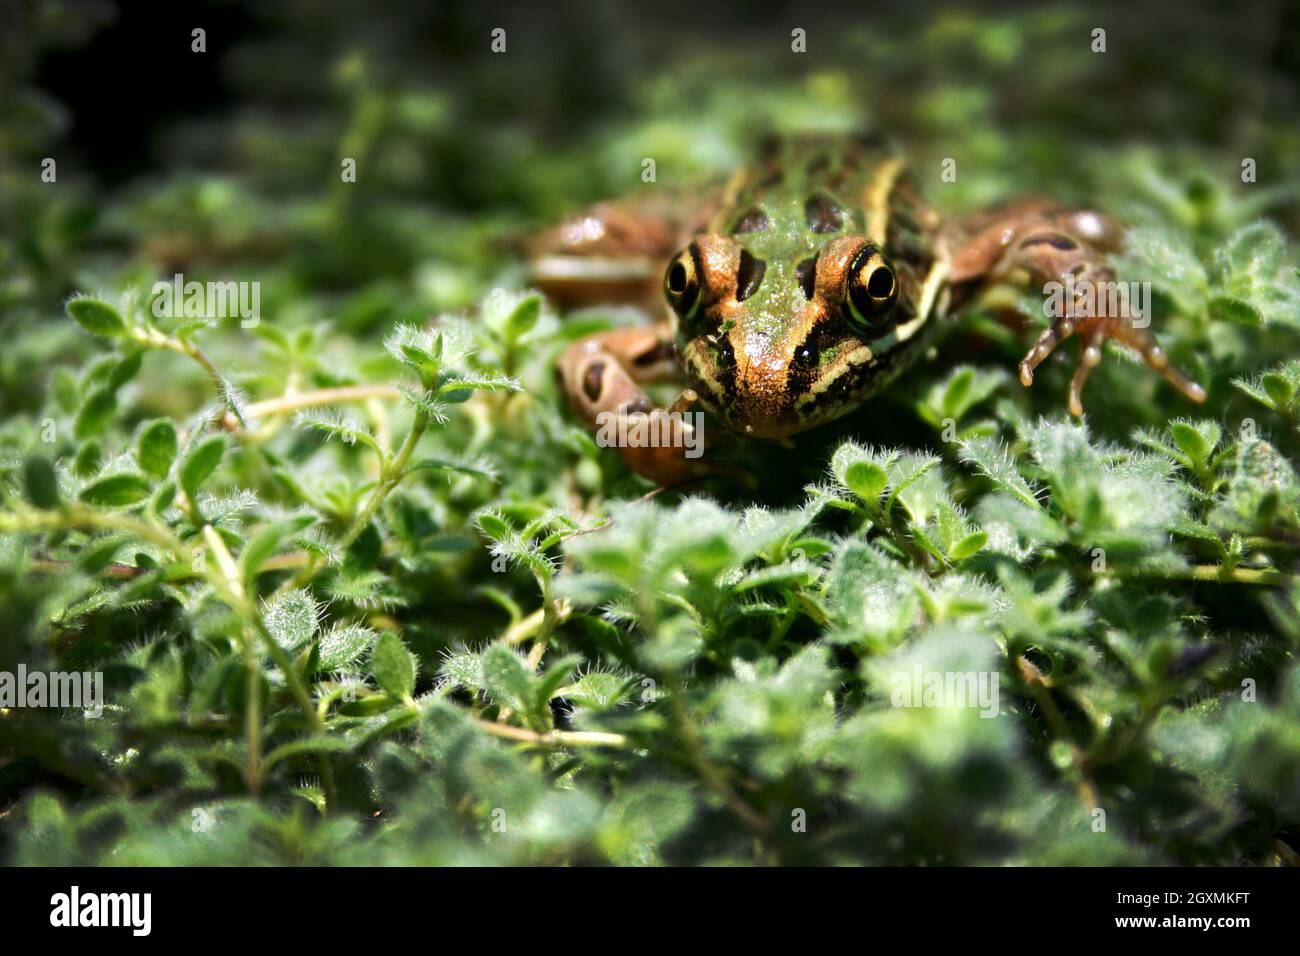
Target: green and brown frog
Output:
[(804, 286)]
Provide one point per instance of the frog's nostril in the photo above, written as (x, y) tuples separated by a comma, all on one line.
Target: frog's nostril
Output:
[(806, 272)]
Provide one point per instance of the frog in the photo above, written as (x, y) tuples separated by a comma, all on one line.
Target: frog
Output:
[(804, 285)]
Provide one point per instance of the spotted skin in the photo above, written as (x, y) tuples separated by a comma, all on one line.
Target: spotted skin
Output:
[(808, 283), (779, 355)]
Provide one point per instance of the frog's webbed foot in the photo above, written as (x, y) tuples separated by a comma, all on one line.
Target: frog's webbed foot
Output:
[(1038, 244), (601, 378)]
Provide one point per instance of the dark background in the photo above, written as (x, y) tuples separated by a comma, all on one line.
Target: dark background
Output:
[(124, 74)]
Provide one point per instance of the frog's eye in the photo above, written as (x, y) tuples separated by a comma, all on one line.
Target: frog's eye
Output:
[(682, 283), (872, 288)]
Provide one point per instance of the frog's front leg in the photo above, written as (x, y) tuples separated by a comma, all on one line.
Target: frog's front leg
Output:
[(1036, 243), (601, 377)]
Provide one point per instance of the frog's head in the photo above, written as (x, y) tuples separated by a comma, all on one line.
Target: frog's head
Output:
[(781, 333)]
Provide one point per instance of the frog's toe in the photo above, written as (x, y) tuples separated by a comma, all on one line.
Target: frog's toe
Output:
[(1154, 356), (1088, 361), (1059, 331), (1095, 331)]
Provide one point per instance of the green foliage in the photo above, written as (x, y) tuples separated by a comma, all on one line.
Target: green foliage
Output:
[(362, 590)]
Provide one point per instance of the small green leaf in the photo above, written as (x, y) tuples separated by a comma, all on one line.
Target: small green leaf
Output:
[(41, 482), (866, 479), (116, 491), (90, 457), (125, 370), (507, 678), (393, 666), (447, 464), (292, 619), (968, 546), (333, 425), (1278, 389), (95, 412), (596, 690), (163, 497), (201, 463), (157, 448), (1231, 309), (343, 646), (553, 679), (494, 526), (97, 317), (307, 746), (959, 387), (1191, 441), (101, 553), (266, 542), (525, 315), (63, 385)]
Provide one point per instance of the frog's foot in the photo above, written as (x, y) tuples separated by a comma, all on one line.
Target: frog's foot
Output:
[(601, 377), (1094, 331), (1065, 252)]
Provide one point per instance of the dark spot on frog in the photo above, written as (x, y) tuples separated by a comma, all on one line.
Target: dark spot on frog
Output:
[(755, 220), (805, 363), (818, 164), (749, 276), (1053, 239), (807, 356), (822, 214), (593, 380)]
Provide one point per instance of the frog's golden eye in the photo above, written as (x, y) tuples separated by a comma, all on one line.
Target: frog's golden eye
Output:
[(872, 289), (682, 283)]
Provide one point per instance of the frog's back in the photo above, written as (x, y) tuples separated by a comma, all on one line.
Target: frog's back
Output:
[(805, 189)]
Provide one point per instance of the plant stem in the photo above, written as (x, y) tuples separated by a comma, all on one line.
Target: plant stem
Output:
[(324, 396), (524, 628), (1037, 685), (151, 337), (711, 775), (554, 738), (390, 475), (83, 516), (1211, 572), (253, 669)]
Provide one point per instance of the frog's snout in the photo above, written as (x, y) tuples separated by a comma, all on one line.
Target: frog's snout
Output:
[(762, 404)]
